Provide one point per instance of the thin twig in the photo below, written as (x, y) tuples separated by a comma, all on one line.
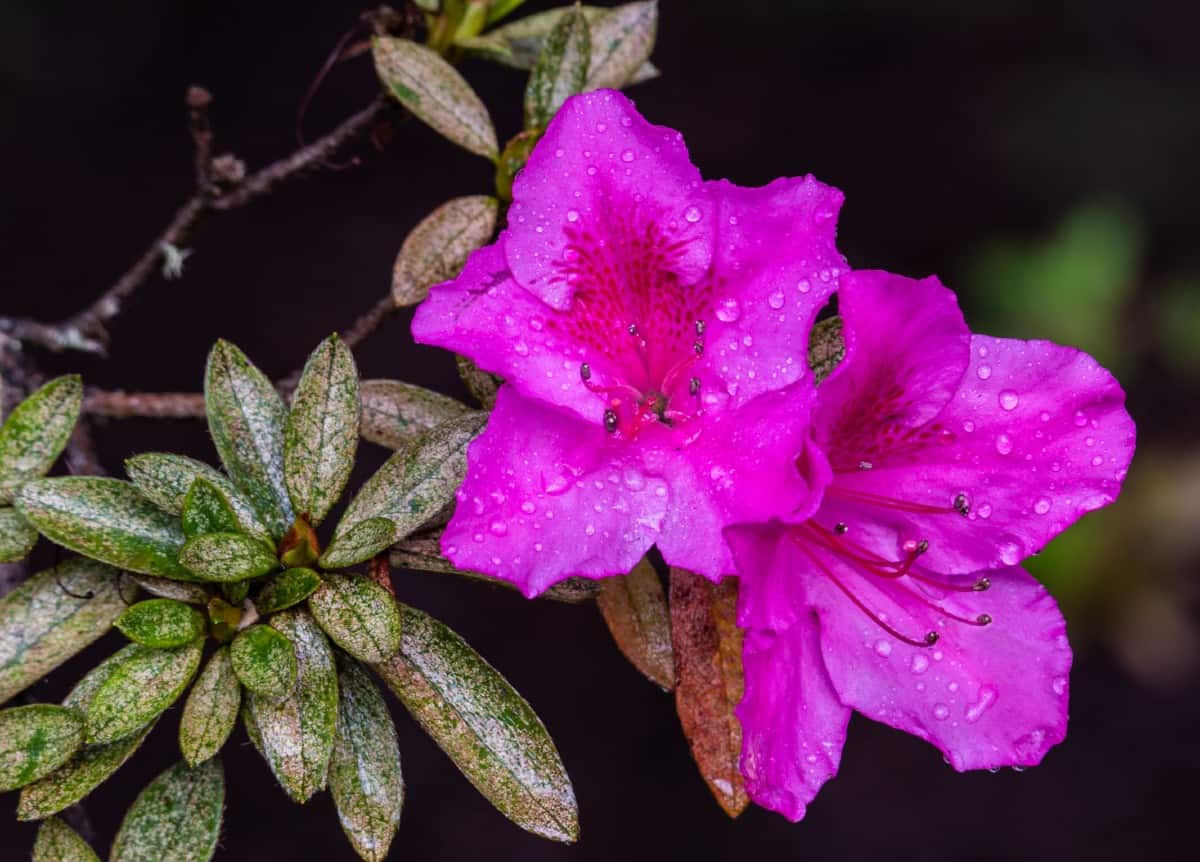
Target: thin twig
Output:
[(143, 405), (358, 332)]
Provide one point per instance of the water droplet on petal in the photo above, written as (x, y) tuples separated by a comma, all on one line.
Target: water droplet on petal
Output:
[(692, 214), (1097, 461), (803, 286), (528, 508), (1080, 419), (572, 215), (984, 511), (1008, 399), (775, 300), (883, 647), (1042, 506), (919, 663), (984, 372), (987, 696), (968, 426), (941, 712), (728, 310), (1059, 685), (499, 528), (1010, 552), (1004, 444), (627, 156)]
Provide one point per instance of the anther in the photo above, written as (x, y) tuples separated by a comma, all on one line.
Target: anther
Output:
[(922, 547), (694, 386), (982, 584), (840, 528), (585, 371), (865, 465), (931, 637), (984, 619), (962, 505), (698, 347), (632, 330), (699, 327), (610, 421)]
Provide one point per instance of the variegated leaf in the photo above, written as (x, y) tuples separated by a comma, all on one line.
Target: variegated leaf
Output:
[(561, 69), (17, 536), (162, 623), (138, 689), (622, 41), (36, 432), (437, 248), (265, 662), (395, 413), (359, 615), (177, 817), (225, 557), (288, 588), (35, 740), (211, 710), (635, 610), (58, 842)]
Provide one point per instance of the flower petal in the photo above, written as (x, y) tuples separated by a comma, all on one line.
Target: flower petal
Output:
[(987, 696), (607, 189), (793, 725), (507, 330), (775, 265), (747, 465), (548, 496)]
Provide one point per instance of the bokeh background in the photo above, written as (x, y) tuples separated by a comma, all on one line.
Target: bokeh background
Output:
[(1040, 157)]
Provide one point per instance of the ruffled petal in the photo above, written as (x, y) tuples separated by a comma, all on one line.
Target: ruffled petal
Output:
[(747, 465), (986, 695), (775, 265), (606, 196), (548, 496), (793, 725), (507, 330)]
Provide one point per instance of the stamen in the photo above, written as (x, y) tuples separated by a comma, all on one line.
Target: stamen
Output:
[(632, 329), (841, 529), (699, 327), (892, 502), (585, 371), (983, 620), (962, 505), (694, 386), (865, 465), (698, 347), (610, 421), (982, 584), (930, 638)]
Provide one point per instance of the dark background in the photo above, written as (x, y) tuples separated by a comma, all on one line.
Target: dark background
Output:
[(948, 125)]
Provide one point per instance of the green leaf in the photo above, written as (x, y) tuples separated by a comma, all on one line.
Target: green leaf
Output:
[(488, 730), (826, 348), (481, 384), (36, 432), (423, 554), (224, 557), (395, 413), (177, 817), (438, 247), (364, 771), (78, 777), (246, 417), (622, 41), (51, 617), (35, 740), (359, 543), (106, 519), (58, 842), (359, 615), (138, 689), (501, 8), (211, 709), (164, 588), (296, 735), (166, 480), (161, 623), (265, 662), (435, 93), (519, 43), (561, 69), (322, 430), (416, 482), (206, 510), (17, 536), (635, 611), (288, 588)]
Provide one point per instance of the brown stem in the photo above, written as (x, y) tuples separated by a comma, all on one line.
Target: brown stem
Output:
[(145, 405)]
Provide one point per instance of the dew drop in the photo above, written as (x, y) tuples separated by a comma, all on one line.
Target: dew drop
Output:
[(1042, 506), (883, 647), (633, 480), (968, 426), (984, 372), (692, 214), (521, 348), (941, 712), (589, 530), (1044, 416), (984, 511), (728, 310), (1004, 444), (1059, 685), (572, 215), (499, 528), (1010, 552), (775, 300), (627, 156), (803, 285), (1080, 419), (1097, 461), (987, 696), (528, 508), (919, 664), (1008, 399)]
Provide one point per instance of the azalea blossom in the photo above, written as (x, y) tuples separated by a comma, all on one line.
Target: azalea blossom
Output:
[(651, 328), (946, 459)]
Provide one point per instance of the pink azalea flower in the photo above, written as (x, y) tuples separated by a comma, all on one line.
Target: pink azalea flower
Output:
[(949, 458), (652, 330)]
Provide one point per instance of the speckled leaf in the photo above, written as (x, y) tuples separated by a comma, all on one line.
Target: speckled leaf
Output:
[(438, 247), (265, 662), (206, 510), (322, 430), (561, 69), (36, 432), (481, 384), (435, 93), (359, 615), (58, 842), (52, 616), (364, 772), (78, 777), (161, 623), (520, 43), (422, 553), (246, 417), (708, 681), (17, 536), (500, 8), (177, 817), (487, 729), (395, 413), (359, 543), (164, 588), (295, 736), (35, 740), (138, 689), (106, 519), (166, 479), (826, 348), (416, 482), (211, 709), (622, 41), (635, 610), (224, 557), (288, 588)]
